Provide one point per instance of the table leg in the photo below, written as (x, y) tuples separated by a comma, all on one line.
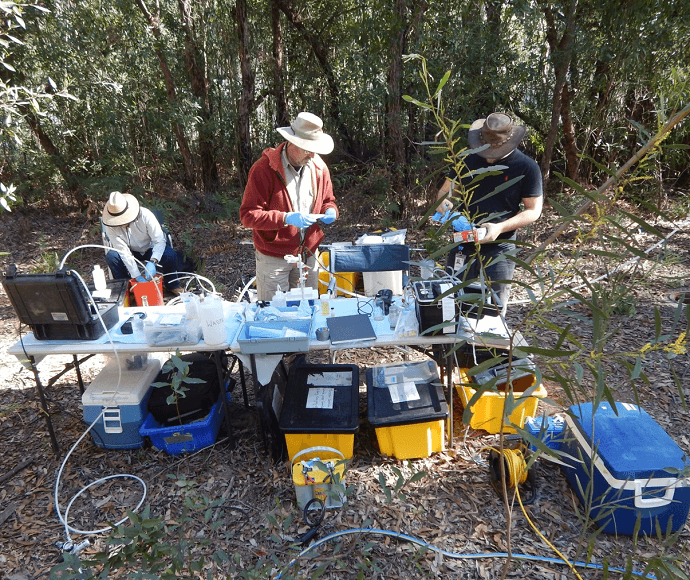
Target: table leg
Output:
[(80, 380), (44, 406), (243, 382), (449, 390), (221, 377), (259, 404)]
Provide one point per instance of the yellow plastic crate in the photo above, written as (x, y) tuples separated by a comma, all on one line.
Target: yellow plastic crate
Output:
[(412, 441), (345, 280), (343, 442), (488, 410)]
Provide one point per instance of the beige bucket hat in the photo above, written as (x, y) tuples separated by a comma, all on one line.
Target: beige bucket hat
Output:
[(121, 209), (306, 131)]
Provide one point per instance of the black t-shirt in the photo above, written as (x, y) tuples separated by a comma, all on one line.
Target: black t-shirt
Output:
[(496, 208)]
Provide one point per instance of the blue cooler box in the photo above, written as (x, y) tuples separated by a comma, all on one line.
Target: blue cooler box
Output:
[(637, 469), (123, 397)]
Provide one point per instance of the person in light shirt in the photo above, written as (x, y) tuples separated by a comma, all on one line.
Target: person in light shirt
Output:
[(134, 233)]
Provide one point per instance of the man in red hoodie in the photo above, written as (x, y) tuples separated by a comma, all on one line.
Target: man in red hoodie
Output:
[(287, 191)]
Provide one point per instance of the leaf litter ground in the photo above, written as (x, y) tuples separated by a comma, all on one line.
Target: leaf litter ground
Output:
[(453, 507)]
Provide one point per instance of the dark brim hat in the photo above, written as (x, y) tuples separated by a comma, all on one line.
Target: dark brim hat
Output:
[(306, 131), (121, 209), (498, 132)]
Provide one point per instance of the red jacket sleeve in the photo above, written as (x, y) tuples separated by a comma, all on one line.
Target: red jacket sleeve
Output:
[(255, 211)]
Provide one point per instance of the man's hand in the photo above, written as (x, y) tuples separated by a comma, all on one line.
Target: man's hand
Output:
[(445, 206), (329, 216), (149, 270), (299, 220), (140, 279), (492, 232)]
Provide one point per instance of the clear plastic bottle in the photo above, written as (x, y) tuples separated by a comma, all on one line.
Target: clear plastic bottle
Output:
[(99, 282)]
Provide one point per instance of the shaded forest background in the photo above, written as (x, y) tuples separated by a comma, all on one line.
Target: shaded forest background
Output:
[(163, 97)]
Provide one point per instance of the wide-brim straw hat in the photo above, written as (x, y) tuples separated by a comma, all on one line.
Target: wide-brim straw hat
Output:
[(306, 131), (121, 209), (499, 132)]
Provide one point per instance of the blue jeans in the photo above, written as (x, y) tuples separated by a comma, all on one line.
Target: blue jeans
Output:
[(499, 273), (169, 264)]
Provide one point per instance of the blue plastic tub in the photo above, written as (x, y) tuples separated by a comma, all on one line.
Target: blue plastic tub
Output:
[(187, 438)]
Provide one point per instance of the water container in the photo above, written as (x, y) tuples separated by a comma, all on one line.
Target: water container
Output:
[(99, 278), (212, 319), (191, 304), (386, 280)]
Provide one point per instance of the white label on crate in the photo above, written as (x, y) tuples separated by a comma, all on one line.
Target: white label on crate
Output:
[(404, 392), (330, 379), (447, 308), (320, 398)]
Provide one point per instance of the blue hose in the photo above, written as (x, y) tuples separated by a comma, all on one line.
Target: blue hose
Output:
[(456, 556)]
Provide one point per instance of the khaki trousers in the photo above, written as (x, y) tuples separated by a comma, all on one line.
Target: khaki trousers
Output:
[(272, 272)]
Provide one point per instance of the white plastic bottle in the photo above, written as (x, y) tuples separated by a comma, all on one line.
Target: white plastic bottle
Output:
[(212, 319), (99, 278)]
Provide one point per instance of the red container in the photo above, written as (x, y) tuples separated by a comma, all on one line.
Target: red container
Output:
[(148, 293)]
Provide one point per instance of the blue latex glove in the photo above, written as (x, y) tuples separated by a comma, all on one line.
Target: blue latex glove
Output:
[(140, 279), (442, 218), (150, 270), (329, 216), (299, 220), (461, 223)]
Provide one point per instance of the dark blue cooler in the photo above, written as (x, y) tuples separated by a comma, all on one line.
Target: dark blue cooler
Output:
[(638, 471)]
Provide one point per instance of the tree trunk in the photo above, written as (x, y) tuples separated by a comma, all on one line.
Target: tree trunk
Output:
[(395, 146), (571, 153), (320, 50), (420, 7), (395, 141), (51, 150), (244, 143), (561, 54), (187, 161), (196, 69), (282, 118)]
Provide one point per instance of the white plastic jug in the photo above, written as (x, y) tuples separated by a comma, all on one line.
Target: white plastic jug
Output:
[(212, 319), (99, 278)]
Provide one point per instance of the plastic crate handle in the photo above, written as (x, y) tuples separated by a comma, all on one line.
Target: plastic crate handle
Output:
[(317, 449), (654, 502), (112, 420)]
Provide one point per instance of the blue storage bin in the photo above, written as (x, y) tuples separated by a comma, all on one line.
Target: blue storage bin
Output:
[(187, 438), (275, 336), (637, 469)]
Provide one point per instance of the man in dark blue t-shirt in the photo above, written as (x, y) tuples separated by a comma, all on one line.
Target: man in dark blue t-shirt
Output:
[(500, 190)]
